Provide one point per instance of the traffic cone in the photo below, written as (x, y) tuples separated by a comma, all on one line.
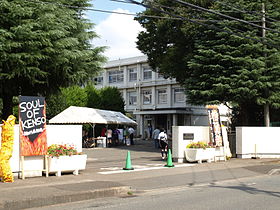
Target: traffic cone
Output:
[(169, 159), (128, 162)]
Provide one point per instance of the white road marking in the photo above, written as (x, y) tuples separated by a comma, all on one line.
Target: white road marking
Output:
[(142, 168)]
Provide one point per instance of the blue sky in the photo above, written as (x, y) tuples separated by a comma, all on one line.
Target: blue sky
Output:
[(96, 17), (117, 32)]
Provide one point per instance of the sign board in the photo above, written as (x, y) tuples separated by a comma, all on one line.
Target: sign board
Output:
[(32, 120), (188, 136), (215, 126)]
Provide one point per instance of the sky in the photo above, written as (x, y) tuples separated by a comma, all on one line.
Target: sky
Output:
[(117, 32)]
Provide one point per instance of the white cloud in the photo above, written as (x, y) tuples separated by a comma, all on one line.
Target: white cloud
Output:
[(119, 34)]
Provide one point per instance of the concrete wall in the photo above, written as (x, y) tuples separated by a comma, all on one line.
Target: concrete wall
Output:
[(56, 134), (265, 140), (200, 133)]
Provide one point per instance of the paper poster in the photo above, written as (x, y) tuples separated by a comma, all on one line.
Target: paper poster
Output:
[(215, 126)]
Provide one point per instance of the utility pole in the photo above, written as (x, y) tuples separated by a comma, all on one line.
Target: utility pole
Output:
[(266, 106)]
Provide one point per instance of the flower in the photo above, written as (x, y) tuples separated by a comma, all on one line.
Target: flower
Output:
[(56, 150), (199, 144)]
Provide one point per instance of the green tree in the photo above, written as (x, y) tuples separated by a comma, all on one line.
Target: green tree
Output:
[(55, 103), (70, 96), (108, 98), (44, 46), (217, 66), (111, 99), (93, 97)]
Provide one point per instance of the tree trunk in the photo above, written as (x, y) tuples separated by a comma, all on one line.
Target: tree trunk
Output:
[(266, 115), (7, 106)]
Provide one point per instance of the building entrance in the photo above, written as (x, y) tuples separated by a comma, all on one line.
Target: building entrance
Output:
[(161, 121)]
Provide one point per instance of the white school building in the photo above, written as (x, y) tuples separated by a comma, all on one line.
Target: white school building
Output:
[(152, 100)]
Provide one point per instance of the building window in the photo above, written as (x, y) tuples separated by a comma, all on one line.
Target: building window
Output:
[(147, 73), (132, 74), (132, 98), (116, 76), (147, 97), (179, 95), (98, 80), (162, 96)]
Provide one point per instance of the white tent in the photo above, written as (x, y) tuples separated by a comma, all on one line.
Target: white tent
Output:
[(80, 115)]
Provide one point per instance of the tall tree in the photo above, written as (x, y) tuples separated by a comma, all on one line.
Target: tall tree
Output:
[(111, 99), (44, 46), (213, 59)]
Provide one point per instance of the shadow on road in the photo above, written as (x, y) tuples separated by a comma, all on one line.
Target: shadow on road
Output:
[(250, 190)]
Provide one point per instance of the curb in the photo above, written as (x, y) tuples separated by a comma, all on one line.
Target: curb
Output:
[(65, 198)]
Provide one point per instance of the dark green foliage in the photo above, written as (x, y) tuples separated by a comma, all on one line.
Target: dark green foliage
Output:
[(93, 97), (44, 47), (215, 66), (111, 99), (55, 104)]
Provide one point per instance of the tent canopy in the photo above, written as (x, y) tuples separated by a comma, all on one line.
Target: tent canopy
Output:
[(81, 115)]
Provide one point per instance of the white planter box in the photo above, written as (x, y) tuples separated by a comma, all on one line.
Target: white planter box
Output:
[(67, 163), (193, 155)]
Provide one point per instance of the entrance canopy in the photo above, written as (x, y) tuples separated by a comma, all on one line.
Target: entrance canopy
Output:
[(81, 115)]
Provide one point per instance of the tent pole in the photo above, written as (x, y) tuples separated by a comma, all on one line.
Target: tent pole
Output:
[(106, 135), (93, 133)]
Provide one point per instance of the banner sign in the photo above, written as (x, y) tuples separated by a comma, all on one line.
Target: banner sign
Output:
[(32, 120), (215, 126)]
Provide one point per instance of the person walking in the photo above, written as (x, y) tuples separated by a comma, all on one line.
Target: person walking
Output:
[(109, 137), (155, 137), (131, 135), (163, 143)]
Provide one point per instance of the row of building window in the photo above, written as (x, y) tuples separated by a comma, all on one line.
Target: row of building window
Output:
[(117, 76), (178, 96)]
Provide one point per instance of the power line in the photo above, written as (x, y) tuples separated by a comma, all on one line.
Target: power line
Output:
[(250, 12), (252, 23), (100, 10), (114, 12), (173, 16), (223, 15), (197, 19), (203, 24)]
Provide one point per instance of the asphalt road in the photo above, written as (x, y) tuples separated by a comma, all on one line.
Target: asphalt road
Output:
[(259, 193), (224, 185)]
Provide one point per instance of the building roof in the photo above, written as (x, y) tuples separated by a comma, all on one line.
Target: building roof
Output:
[(126, 61), (81, 115)]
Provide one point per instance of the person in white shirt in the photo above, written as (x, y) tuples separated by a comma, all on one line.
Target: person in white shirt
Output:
[(131, 135), (163, 143)]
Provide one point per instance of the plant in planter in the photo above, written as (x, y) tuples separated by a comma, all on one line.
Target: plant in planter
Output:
[(199, 144), (199, 151), (56, 150), (65, 158)]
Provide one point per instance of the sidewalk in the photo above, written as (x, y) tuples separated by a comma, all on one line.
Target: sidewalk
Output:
[(90, 183)]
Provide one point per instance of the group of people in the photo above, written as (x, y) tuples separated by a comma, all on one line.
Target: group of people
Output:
[(161, 141), (113, 136)]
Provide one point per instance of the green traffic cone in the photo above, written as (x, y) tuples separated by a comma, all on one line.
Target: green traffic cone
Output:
[(169, 159), (128, 162)]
